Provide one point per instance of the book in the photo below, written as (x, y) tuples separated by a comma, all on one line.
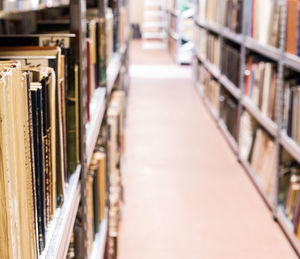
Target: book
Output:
[(227, 13), (18, 217), (262, 161), (66, 42), (263, 21), (291, 112), (230, 66), (261, 85)]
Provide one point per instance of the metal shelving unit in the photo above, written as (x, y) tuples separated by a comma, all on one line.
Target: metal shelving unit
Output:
[(60, 228), (275, 129)]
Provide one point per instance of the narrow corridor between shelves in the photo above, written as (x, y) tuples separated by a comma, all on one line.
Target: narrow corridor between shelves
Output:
[(186, 195)]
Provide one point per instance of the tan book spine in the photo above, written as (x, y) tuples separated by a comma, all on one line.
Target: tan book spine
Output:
[(5, 227), (14, 188)]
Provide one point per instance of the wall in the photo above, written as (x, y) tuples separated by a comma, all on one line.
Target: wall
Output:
[(137, 11)]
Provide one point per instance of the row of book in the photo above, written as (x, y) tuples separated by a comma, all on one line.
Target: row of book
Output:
[(40, 142), (104, 185), (263, 19), (227, 13), (261, 85), (256, 148), (260, 80)]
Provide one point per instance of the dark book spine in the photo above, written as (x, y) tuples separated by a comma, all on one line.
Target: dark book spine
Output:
[(71, 110), (88, 79), (290, 113), (47, 146), (38, 154), (98, 55), (102, 53), (96, 201)]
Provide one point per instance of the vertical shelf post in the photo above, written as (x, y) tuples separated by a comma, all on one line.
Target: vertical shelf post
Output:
[(78, 26)]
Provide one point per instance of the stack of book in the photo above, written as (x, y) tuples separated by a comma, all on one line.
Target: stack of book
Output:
[(261, 85), (263, 21)]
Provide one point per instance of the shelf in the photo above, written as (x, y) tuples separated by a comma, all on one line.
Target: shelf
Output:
[(97, 110), (267, 51), (100, 239), (228, 34), (292, 61), (5, 14), (236, 92), (212, 27), (258, 183), (288, 228), (222, 31), (228, 136), (263, 120), (290, 145), (61, 227)]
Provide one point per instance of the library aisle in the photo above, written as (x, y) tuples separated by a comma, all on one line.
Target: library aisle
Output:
[(186, 195)]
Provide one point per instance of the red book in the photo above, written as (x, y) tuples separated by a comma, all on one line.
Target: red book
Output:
[(88, 79), (248, 79)]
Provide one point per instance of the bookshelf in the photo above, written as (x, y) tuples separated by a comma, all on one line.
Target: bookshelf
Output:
[(246, 120), (75, 15)]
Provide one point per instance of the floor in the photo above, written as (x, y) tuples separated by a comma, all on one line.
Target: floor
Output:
[(186, 195)]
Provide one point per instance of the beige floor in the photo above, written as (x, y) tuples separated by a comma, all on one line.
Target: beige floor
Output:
[(186, 196)]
